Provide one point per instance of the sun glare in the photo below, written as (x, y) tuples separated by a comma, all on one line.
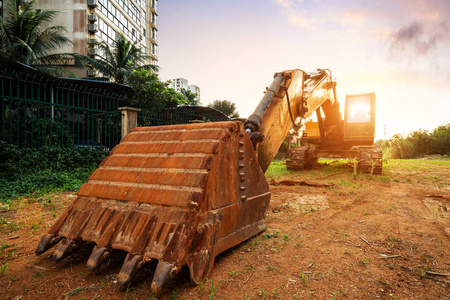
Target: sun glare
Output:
[(360, 112)]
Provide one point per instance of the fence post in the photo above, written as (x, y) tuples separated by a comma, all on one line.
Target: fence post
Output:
[(129, 119)]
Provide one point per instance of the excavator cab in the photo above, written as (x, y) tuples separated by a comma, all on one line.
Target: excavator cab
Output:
[(359, 118), (358, 125)]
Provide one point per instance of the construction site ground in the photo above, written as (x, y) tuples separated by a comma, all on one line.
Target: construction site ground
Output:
[(329, 236)]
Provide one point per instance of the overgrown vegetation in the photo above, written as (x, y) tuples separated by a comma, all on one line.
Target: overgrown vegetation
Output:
[(148, 88), (24, 127), (28, 171), (419, 143), (116, 62), (225, 106)]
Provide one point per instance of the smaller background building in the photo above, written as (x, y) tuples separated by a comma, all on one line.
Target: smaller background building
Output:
[(181, 83)]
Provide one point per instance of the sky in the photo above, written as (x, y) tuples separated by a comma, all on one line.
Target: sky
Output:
[(398, 49)]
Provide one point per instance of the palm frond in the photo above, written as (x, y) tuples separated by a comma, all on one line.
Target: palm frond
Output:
[(21, 36)]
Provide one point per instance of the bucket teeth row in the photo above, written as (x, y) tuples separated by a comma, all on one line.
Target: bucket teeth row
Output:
[(164, 273), (130, 266), (98, 256), (47, 241), (64, 249)]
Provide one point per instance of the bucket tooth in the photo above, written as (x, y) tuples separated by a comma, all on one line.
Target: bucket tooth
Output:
[(98, 256), (65, 248), (129, 268), (47, 241), (164, 273)]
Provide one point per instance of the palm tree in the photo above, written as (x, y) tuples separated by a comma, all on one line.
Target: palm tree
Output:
[(191, 98), (22, 40), (116, 62)]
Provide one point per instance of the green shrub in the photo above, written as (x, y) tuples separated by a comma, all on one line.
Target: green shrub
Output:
[(419, 143), (23, 127), (30, 171)]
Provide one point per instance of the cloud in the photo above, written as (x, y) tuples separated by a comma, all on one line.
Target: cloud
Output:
[(297, 12), (285, 3), (403, 29), (409, 32), (417, 39), (317, 15)]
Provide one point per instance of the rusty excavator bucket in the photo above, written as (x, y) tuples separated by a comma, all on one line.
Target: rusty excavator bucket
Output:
[(179, 194)]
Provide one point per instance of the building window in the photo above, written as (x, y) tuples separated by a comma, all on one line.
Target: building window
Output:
[(105, 32), (144, 16), (119, 19)]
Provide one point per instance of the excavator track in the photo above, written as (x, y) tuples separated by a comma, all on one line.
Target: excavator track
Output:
[(301, 158), (179, 194), (371, 156), (304, 157)]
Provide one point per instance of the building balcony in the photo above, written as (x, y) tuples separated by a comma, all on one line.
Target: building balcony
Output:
[(153, 41), (154, 4), (153, 56)]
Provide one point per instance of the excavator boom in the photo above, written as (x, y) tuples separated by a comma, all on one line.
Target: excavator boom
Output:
[(292, 95)]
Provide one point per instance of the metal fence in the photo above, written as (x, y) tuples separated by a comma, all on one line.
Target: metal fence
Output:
[(155, 114), (38, 110)]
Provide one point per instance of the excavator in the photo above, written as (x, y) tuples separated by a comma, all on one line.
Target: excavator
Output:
[(182, 194), (333, 137)]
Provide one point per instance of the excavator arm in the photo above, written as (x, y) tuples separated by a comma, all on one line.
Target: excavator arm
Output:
[(293, 94)]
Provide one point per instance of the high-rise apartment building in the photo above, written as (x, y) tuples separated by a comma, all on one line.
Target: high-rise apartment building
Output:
[(180, 83), (91, 21)]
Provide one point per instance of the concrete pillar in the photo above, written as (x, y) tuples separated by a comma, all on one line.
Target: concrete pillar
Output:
[(129, 119)]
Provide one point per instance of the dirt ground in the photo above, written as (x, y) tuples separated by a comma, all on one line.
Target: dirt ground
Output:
[(329, 236)]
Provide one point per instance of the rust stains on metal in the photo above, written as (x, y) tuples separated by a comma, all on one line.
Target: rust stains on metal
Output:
[(180, 194)]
